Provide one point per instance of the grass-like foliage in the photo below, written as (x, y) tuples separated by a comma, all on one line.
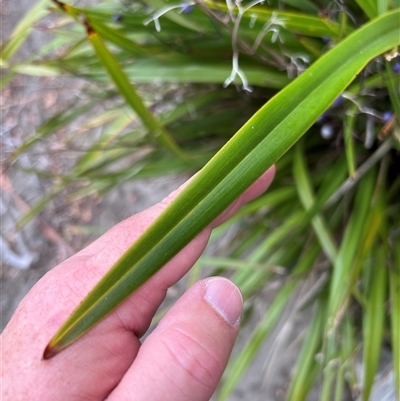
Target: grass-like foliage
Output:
[(325, 70)]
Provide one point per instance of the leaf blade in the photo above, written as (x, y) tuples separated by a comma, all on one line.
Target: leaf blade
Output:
[(244, 158), (129, 93)]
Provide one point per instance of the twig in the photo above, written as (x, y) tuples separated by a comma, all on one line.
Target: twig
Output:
[(360, 172)]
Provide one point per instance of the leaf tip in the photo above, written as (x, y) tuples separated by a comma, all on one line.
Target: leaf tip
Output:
[(50, 351)]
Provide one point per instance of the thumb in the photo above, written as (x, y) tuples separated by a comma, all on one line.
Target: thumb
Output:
[(184, 358)]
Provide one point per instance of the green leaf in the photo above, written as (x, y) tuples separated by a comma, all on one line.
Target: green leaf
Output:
[(22, 30), (330, 354), (306, 195), (37, 70), (239, 365), (349, 349), (394, 273), (258, 337), (373, 320), (54, 123), (114, 36), (237, 264), (393, 85), (38, 207), (120, 119), (129, 93), (349, 123), (304, 5), (382, 6), (266, 137), (353, 241), (294, 22), (369, 7), (301, 380), (6, 78), (185, 70)]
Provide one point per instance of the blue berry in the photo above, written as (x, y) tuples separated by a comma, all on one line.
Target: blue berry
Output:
[(338, 101), (327, 131), (386, 116), (396, 67)]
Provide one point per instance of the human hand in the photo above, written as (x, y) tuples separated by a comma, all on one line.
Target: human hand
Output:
[(182, 359)]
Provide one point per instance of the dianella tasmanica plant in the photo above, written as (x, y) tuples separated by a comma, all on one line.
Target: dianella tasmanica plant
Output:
[(312, 86)]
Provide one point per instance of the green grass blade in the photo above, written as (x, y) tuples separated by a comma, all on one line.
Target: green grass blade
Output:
[(22, 30), (251, 283), (237, 264), (359, 238), (349, 123), (236, 370), (395, 312), (120, 119), (393, 85), (369, 7), (294, 22), (373, 320), (306, 195), (266, 137), (196, 71), (36, 209), (36, 70), (50, 126), (332, 181), (382, 6), (6, 78), (340, 382), (301, 381), (352, 242), (304, 5), (114, 36), (349, 350), (129, 93), (267, 201)]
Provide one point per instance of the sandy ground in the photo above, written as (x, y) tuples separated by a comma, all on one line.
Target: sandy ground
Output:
[(28, 254)]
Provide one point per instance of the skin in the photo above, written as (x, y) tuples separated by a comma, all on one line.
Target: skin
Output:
[(182, 359)]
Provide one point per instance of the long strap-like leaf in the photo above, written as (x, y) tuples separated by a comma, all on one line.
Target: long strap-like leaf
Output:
[(255, 147)]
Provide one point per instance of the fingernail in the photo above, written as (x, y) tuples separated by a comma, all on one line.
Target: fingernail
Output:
[(225, 298)]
